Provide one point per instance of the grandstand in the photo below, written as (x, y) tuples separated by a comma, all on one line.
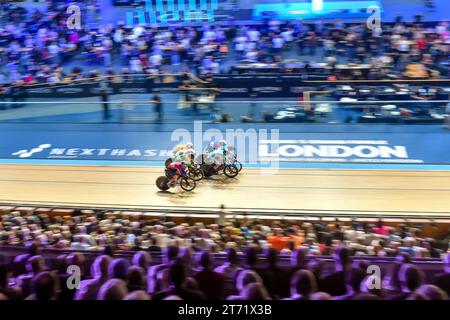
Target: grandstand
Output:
[(277, 150)]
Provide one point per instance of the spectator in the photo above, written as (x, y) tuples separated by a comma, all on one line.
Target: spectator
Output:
[(118, 269), (113, 289), (334, 283), (136, 279), (142, 259), (89, 288), (177, 276), (303, 285), (432, 292), (137, 295), (255, 291), (229, 270), (5, 275), (211, 283), (442, 280), (157, 106), (44, 287), (244, 278), (410, 278), (275, 279), (169, 255), (353, 280)]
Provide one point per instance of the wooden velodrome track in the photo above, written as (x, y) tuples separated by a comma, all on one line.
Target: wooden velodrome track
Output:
[(363, 191)]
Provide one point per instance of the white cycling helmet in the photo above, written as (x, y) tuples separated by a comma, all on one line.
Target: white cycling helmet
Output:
[(190, 145), (223, 142)]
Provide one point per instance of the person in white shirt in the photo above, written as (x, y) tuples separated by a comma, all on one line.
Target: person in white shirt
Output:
[(288, 35), (135, 65), (277, 44), (253, 35)]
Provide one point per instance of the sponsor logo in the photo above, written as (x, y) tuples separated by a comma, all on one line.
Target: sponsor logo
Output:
[(333, 151), (28, 153), (73, 153)]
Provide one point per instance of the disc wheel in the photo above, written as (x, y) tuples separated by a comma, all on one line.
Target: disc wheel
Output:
[(187, 184), (231, 171), (161, 183)]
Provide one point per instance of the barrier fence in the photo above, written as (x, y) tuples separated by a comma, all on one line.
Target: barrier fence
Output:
[(225, 86), (175, 109)]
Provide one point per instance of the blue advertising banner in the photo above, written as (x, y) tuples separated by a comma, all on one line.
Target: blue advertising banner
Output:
[(252, 146)]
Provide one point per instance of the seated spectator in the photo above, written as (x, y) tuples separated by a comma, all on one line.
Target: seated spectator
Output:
[(211, 283), (255, 292), (244, 278), (251, 259), (44, 286), (410, 278), (229, 270), (334, 283), (442, 280), (137, 295), (118, 269), (74, 259), (113, 289), (5, 275), (89, 288), (303, 285), (391, 281), (142, 259), (353, 280), (432, 292), (170, 254), (34, 265), (275, 279), (299, 260), (136, 279), (177, 277)]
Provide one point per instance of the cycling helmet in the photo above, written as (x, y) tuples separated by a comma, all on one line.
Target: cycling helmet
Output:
[(189, 145), (223, 142)]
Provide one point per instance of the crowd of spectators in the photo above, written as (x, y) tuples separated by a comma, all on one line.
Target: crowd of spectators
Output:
[(187, 275), (253, 250), (97, 230), (36, 45)]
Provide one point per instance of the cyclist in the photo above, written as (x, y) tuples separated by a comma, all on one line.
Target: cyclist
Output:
[(185, 155), (176, 168), (180, 147), (218, 153)]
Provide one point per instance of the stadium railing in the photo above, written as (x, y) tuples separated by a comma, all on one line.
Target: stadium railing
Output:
[(177, 110)]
